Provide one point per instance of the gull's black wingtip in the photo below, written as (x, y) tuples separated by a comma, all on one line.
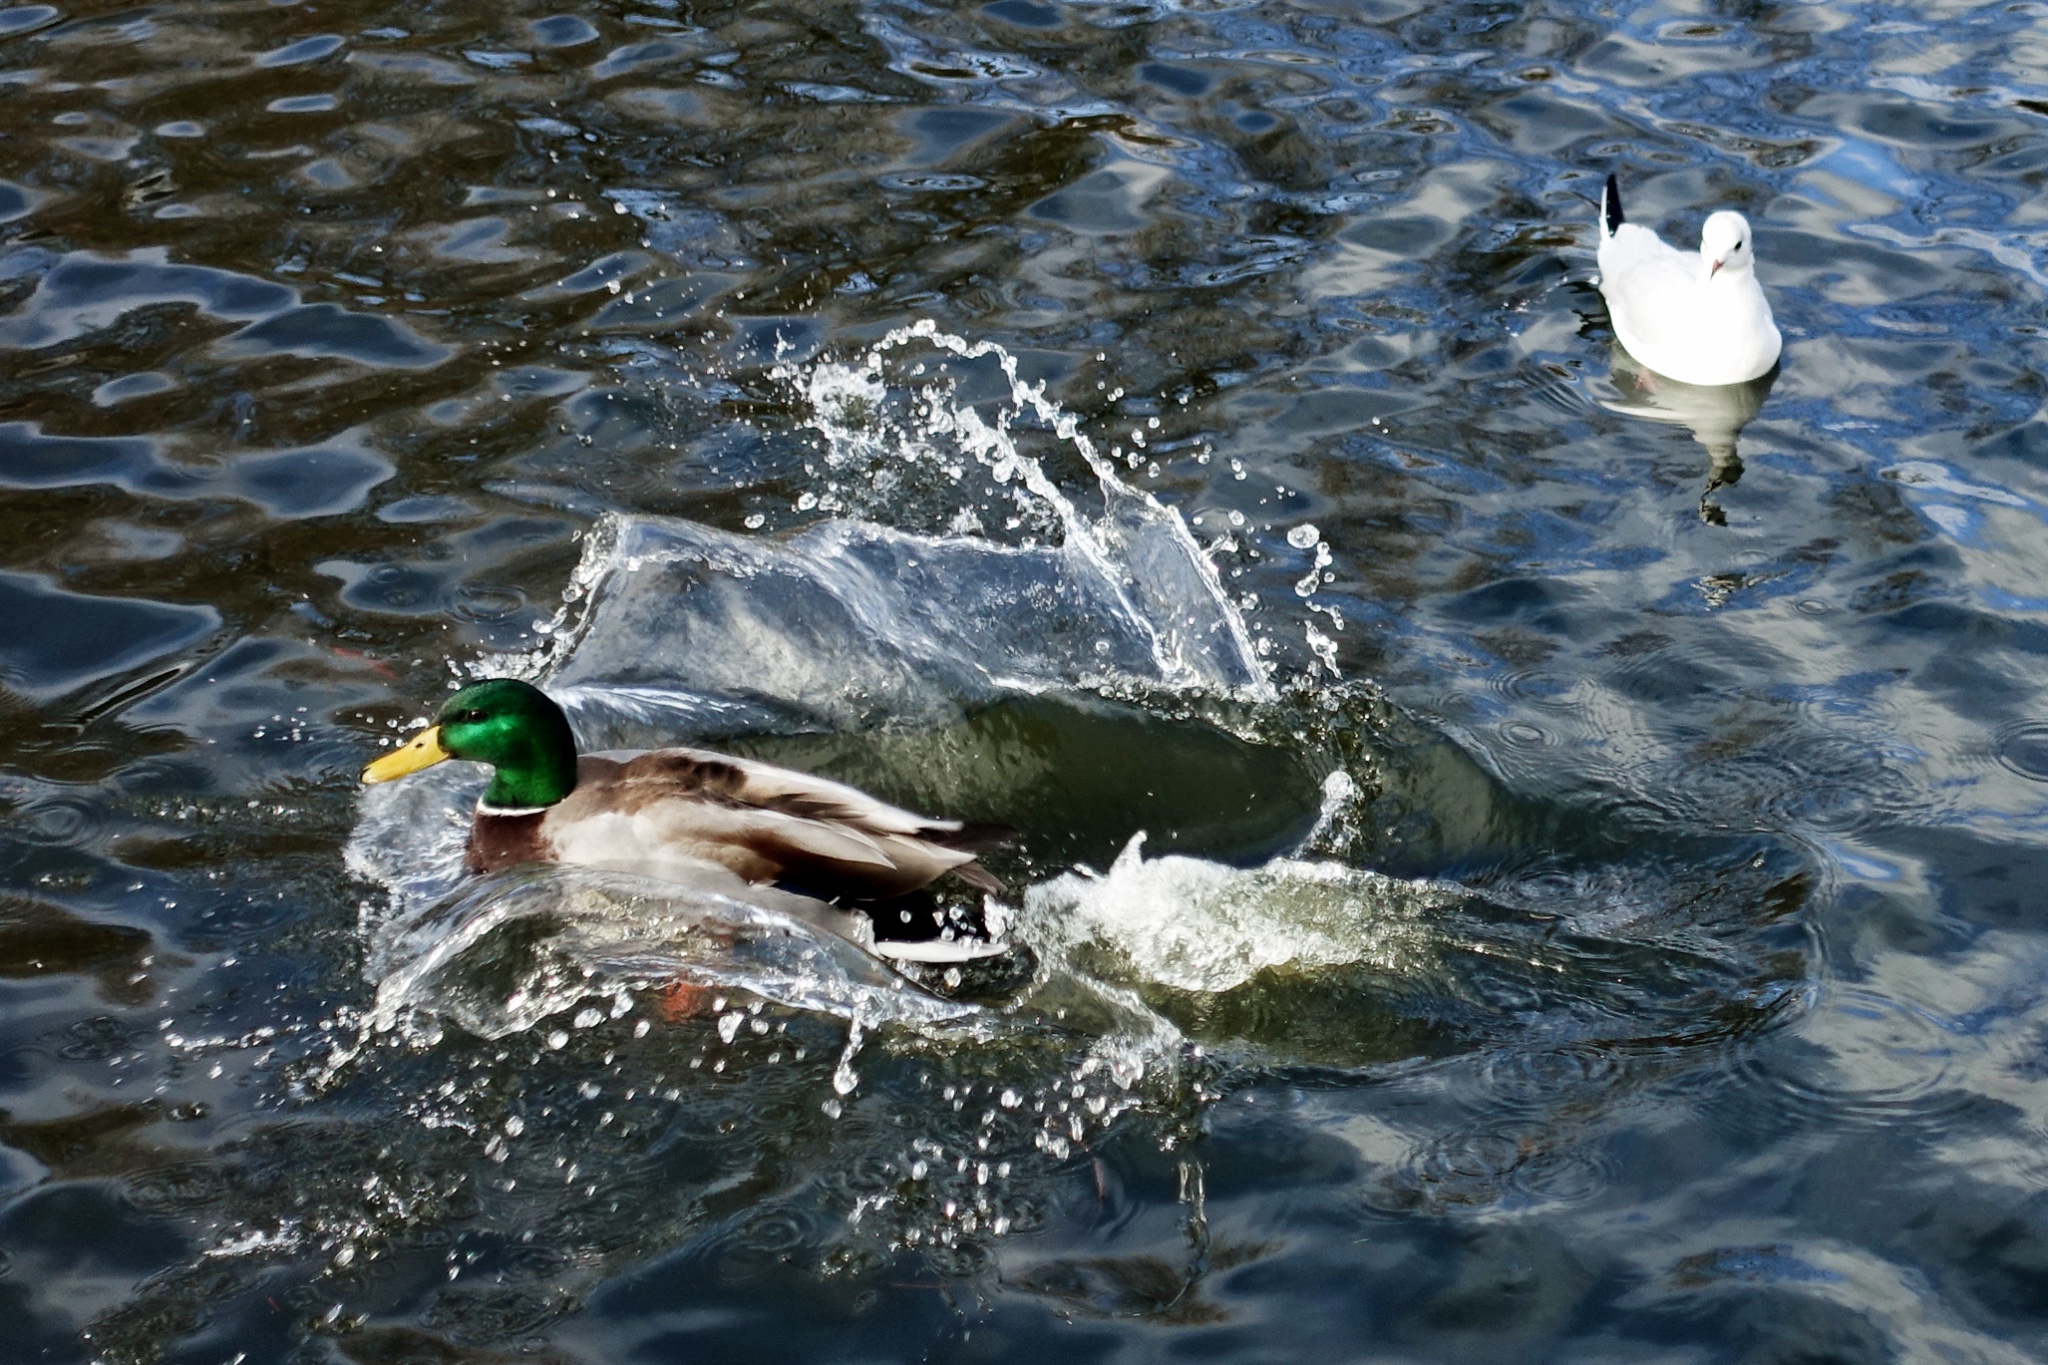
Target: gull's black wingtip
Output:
[(1610, 206)]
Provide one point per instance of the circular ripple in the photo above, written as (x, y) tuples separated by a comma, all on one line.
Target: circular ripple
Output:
[(1830, 807), (763, 1237), (1659, 676), (1524, 735), (1571, 1170), (172, 1189), (1877, 1060), (1540, 1075), (1453, 1170), (94, 1040), (1813, 783), (2023, 749), (65, 821), (487, 604), (868, 1174), (1467, 1166), (1839, 785), (1485, 1167), (932, 182), (1540, 688)]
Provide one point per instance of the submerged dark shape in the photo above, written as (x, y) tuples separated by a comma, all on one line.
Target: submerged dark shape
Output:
[(684, 814)]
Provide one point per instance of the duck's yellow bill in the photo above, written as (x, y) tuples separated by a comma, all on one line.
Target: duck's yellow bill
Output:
[(423, 752)]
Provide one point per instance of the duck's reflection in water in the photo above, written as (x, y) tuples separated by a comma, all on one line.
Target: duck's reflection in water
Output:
[(1716, 413)]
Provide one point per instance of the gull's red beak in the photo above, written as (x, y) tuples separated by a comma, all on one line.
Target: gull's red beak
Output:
[(1715, 269)]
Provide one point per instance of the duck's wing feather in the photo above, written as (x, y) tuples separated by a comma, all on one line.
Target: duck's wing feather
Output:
[(771, 823), (659, 773)]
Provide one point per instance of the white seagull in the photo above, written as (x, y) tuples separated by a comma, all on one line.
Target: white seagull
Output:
[(1697, 317)]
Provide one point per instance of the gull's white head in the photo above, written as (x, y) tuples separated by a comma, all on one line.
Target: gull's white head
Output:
[(1724, 244)]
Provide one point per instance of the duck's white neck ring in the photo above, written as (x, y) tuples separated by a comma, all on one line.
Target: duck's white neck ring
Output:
[(484, 807)]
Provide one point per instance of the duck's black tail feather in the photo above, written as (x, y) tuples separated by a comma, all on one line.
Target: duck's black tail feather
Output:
[(975, 836), (1610, 208)]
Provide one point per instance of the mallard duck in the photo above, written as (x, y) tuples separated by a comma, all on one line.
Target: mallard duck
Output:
[(674, 813)]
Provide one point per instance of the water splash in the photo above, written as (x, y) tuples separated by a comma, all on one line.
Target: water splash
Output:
[(670, 627), (516, 949), (1188, 925)]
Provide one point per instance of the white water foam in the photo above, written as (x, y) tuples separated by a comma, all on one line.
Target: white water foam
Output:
[(1199, 927)]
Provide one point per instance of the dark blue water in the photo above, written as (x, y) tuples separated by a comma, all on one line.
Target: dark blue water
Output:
[(1590, 902)]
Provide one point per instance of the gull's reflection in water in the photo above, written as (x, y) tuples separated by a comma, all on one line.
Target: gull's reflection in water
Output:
[(1717, 414)]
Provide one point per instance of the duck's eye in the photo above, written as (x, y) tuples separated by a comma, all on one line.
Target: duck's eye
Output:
[(469, 717)]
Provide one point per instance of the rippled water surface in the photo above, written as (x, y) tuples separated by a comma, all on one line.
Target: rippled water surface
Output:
[(1519, 860)]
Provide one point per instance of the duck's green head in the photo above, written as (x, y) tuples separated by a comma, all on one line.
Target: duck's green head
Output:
[(512, 726)]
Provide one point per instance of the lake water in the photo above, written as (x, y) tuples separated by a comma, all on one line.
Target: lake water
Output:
[(1519, 860)]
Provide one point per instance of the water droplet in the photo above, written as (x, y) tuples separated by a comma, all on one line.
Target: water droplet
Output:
[(844, 1077)]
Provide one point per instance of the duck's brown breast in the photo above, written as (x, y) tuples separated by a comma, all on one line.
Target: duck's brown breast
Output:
[(497, 841)]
